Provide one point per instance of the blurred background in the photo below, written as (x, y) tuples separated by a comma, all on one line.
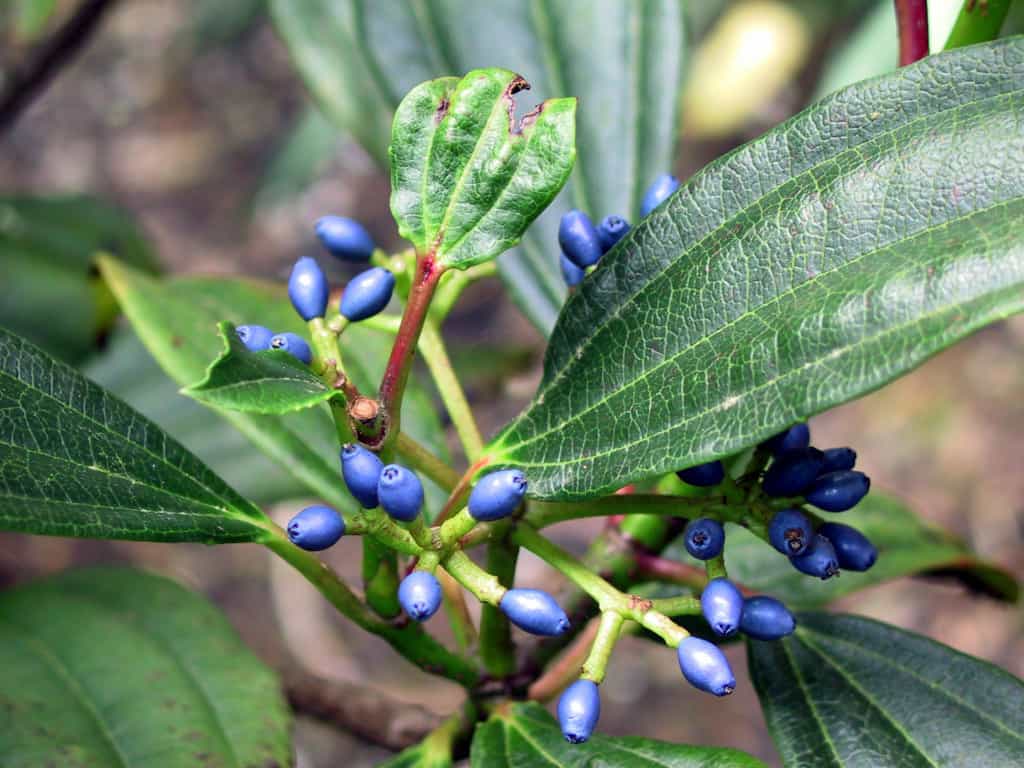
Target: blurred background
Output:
[(189, 117)]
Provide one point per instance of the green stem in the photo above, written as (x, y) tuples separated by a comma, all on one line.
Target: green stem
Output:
[(683, 605), (601, 651), (452, 287), (455, 608), (452, 394), (484, 585), (455, 528), (978, 22), (497, 650), (380, 578)]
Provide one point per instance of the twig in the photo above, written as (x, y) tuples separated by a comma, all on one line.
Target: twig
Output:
[(912, 22)]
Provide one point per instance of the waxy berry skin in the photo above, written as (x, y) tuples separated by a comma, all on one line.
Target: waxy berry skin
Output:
[(790, 474), (579, 239), (854, 551), (703, 475), (579, 709), (572, 274), (704, 666), (308, 289), (838, 491), (721, 603), (345, 238), (534, 611), (659, 191), (256, 338), (316, 528), (419, 594), (294, 345), (765, 618), (400, 492), (819, 559), (837, 459), (497, 495), (367, 294), (795, 439), (361, 469), (790, 532), (704, 538), (610, 230)]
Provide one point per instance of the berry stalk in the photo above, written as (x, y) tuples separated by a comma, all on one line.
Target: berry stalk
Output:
[(608, 628), (452, 395)]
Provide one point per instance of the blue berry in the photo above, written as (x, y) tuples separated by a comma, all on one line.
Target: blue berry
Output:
[(819, 559), (703, 475), (854, 551), (837, 459), (704, 666), (721, 603), (610, 230), (400, 492), (308, 289), (579, 239), (316, 528), (361, 469), (419, 594), (790, 532), (496, 495), (792, 473), (579, 708), (765, 618), (795, 439), (838, 491), (256, 338), (704, 538), (367, 294), (294, 345), (534, 611), (345, 238), (572, 274), (659, 191)]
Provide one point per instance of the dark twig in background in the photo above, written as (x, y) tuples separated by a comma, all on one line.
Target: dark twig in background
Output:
[(912, 21)]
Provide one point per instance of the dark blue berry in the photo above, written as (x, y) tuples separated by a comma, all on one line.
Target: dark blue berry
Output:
[(721, 603), (854, 551), (819, 559), (345, 238), (765, 618), (795, 439), (419, 594), (659, 191), (704, 538), (704, 666), (790, 474), (294, 345), (703, 475), (790, 532), (579, 239), (572, 274), (367, 294), (837, 459), (361, 469), (496, 495), (579, 708), (838, 491), (534, 611), (610, 230), (308, 289), (256, 338), (316, 528), (400, 492)]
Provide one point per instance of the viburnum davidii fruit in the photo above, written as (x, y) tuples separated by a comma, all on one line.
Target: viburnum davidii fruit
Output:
[(345, 238), (316, 528)]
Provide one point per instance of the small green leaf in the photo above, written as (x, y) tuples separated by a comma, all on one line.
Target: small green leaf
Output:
[(76, 461), (273, 381), (847, 692), (467, 177), (525, 734), (815, 264), (116, 667)]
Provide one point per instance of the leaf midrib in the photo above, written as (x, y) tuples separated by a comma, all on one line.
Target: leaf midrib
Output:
[(802, 685)]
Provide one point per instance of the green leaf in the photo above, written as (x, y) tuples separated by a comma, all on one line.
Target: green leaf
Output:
[(273, 381), (623, 60), (525, 734), (847, 692), (805, 269), (76, 461), (467, 176), (116, 667), (52, 295)]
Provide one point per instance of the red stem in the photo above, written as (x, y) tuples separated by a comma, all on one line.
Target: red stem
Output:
[(912, 21)]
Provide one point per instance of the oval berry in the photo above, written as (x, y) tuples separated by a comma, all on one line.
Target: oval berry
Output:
[(837, 459), (705, 667), (765, 618), (256, 338), (345, 238), (572, 274), (790, 474), (367, 294), (721, 603), (400, 492), (795, 439), (819, 559), (294, 345), (579, 708), (854, 551), (790, 532), (361, 469), (534, 611), (316, 528), (660, 190), (838, 491), (579, 239), (704, 538), (419, 594), (308, 289), (497, 495), (703, 475), (610, 230)]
